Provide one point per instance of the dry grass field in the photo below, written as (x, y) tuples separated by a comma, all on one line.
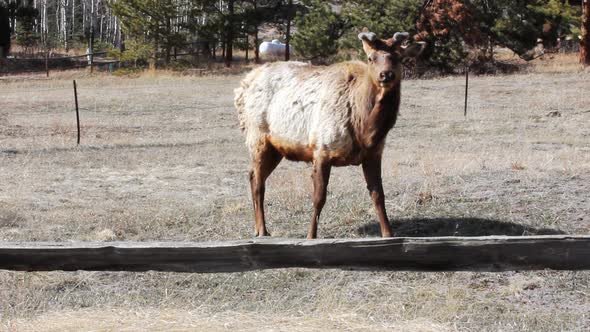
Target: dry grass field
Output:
[(162, 158)]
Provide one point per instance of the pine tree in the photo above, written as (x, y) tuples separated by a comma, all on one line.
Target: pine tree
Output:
[(151, 21), (319, 29), (383, 17), (26, 36), (481, 24)]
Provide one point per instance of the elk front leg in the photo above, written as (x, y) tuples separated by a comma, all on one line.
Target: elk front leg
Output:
[(264, 162), (320, 177), (372, 172)]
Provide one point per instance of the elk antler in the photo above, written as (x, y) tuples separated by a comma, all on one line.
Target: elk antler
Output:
[(367, 36), (400, 37)]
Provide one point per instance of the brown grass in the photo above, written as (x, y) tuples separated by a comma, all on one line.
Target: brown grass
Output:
[(550, 63), (123, 319), (162, 159)]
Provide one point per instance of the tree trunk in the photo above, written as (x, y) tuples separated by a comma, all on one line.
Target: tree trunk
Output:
[(91, 40), (4, 32), (256, 50), (44, 24), (585, 42), (101, 31), (84, 17), (13, 19), (73, 25), (91, 48), (154, 57), (168, 46), (491, 49), (288, 40), (64, 23), (230, 34), (288, 33), (121, 39), (109, 34), (247, 47), (57, 22)]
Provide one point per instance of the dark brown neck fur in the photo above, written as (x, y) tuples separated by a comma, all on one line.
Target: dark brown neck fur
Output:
[(375, 113)]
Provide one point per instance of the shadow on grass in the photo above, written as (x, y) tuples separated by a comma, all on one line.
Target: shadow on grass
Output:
[(423, 227)]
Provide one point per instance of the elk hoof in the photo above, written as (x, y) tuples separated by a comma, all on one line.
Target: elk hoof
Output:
[(264, 234)]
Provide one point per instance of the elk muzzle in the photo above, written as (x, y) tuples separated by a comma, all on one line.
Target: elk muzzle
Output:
[(386, 76)]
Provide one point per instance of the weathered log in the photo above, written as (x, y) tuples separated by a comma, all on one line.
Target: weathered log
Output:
[(489, 253)]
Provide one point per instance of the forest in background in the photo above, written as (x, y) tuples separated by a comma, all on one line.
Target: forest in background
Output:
[(153, 32)]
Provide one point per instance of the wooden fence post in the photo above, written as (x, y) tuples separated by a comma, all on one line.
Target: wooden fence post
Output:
[(77, 112), (47, 63), (466, 89)]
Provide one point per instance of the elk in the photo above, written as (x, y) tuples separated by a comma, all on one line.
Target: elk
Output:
[(337, 115)]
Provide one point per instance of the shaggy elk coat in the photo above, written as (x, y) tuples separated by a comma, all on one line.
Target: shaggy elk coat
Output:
[(331, 116)]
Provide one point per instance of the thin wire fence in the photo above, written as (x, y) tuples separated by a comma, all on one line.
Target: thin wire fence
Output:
[(91, 130), (116, 88), (67, 129)]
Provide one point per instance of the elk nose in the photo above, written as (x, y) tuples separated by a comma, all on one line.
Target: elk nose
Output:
[(386, 76)]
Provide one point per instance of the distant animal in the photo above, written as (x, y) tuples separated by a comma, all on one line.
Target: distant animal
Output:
[(273, 49), (337, 115)]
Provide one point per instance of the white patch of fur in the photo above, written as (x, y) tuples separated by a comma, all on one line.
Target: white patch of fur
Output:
[(295, 104)]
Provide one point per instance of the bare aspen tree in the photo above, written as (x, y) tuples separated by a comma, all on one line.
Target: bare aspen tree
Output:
[(73, 25), (64, 23), (45, 29), (84, 16)]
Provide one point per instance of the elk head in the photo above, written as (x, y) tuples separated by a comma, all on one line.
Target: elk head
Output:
[(385, 57)]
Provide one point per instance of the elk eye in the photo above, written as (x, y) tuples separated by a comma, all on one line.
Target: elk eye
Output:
[(372, 58)]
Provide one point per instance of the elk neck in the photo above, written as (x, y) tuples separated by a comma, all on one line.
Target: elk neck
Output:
[(376, 112)]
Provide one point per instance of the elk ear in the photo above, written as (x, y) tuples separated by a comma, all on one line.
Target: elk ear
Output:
[(413, 50), (368, 39)]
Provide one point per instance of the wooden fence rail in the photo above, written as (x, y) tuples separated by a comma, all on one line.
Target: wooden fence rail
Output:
[(489, 253), (59, 57)]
